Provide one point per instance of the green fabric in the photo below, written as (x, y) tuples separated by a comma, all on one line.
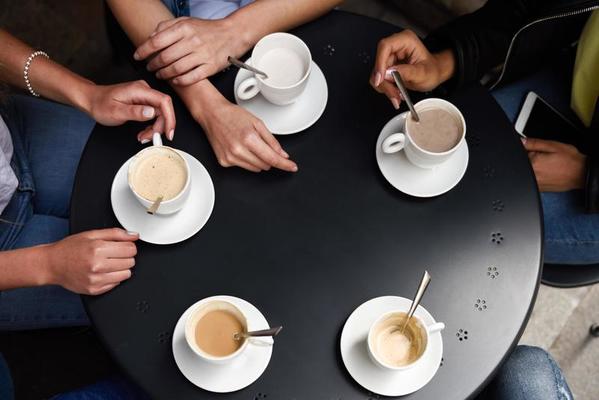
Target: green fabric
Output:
[(585, 84)]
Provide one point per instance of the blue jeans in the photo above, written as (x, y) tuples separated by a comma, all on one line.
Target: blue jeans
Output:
[(529, 374), (571, 235), (48, 141)]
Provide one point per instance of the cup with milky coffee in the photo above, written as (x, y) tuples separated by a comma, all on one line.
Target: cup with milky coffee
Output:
[(391, 348), (432, 140), (210, 330), (160, 171), (287, 61)]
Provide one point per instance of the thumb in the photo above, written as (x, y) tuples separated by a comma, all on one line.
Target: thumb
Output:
[(540, 145), (113, 234)]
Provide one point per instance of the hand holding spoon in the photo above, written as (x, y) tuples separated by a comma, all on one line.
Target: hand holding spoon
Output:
[(426, 279), (404, 93), (265, 332)]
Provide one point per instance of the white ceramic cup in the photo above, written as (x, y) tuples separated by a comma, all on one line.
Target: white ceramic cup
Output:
[(415, 154), (168, 206), (194, 317), (279, 95), (427, 331)]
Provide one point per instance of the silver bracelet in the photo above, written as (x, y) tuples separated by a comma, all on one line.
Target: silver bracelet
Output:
[(26, 70)]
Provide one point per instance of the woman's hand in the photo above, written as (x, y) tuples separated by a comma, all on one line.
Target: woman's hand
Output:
[(92, 262), (419, 69), (240, 139), (186, 50), (558, 167), (132, 101)]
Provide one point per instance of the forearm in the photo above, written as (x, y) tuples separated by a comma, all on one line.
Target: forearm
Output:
[(276, 16), (139, 19), (24, 268), (47, 78)]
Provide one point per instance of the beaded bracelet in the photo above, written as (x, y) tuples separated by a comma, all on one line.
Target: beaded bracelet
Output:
[(26, 70)]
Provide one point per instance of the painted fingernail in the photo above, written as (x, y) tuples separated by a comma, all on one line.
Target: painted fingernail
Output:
[(171, 134), (136, 55), (377, 79), (148, 112), (132, 233), (144, 141), (395, 103)]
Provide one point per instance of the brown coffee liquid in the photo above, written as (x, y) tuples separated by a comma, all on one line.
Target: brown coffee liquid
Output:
[(437, 131), (398, 348), (214, 333)]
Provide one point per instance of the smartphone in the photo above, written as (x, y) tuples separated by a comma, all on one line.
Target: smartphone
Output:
[(538, 119)]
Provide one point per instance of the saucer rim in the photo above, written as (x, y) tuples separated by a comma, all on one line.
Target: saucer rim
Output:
[(315, 67), (193, 163)]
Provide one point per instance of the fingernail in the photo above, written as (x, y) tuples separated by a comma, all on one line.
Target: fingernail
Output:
[(377, 79), (171, 134), (131, 233), (144, 141), (395, 103), (523, 139), (294, 169), (388, 73), (148, 112), (136, 55)]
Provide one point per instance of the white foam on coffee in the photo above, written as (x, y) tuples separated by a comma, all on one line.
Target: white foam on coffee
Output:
[(284, 67), (159, 172)]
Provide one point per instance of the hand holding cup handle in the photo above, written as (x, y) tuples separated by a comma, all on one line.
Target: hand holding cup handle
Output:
[(394, 143)]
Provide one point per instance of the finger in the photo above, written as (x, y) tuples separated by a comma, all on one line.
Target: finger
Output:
[(167, 24), (397, 46), (196, 75), (115, 234), (159, 41), (252, 159), (103, 289), (169, 55), (146, 135), (540, 145), (269, 138), (158, 125), (245, 165), (269, 156), (118, 250), (114, 265), (178, 68)]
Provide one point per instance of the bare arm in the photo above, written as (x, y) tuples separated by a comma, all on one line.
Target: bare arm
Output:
[(32, 267)]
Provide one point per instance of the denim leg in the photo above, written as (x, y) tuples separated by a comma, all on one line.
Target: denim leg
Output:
[(115, 388), (6, 387), (54, 136), (529, 374), (571, 235), (45, 306)]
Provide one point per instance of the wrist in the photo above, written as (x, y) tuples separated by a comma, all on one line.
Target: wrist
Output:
[(445, 61), (45, 274), (82, 96), (244, 36)]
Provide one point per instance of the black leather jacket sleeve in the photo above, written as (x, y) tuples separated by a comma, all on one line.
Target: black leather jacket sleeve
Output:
[(480, 40)]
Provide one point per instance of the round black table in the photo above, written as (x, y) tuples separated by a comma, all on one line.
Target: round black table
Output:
[(308, 248)]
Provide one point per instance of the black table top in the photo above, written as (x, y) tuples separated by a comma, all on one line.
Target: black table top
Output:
[(308, 248)]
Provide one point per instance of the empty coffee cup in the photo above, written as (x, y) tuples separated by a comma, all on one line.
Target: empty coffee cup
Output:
[(287, 61), (160, 171), (210, 331), (395, 349), (432, 140)]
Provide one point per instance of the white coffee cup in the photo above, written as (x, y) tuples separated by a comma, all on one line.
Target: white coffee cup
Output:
[(167, 206), (194, 317), (294, 63), (415, 154), (426, 331)]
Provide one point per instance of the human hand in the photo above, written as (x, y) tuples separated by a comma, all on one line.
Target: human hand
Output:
[(132, 101), (240, 139), (92, 262), (187, 50), (558, 167), (419, 69)]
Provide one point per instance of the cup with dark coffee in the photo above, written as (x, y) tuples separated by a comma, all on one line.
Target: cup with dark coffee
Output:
[(396, 345), (432, 140), (160, 171), (210, 331)]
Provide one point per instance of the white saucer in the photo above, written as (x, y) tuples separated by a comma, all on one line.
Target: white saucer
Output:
[(413, 180), (295, 117), (364, 371), (225, 378), (165, 229)]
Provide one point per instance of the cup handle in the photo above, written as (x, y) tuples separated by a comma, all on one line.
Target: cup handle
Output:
[(157, 139), (394, 143), (248, 89), (436, 327)]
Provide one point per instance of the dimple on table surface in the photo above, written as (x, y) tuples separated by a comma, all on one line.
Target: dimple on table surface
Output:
[(308, 248)]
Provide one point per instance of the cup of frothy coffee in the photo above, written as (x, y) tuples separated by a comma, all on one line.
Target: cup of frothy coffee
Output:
[(287, 61), (210, 331), (432, 140), (160, 171), (391, 348)]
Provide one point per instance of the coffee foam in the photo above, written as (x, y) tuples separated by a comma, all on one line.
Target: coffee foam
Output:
[(158, 171)]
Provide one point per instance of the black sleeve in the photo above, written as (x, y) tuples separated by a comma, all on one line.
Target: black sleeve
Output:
[(480, 40)]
